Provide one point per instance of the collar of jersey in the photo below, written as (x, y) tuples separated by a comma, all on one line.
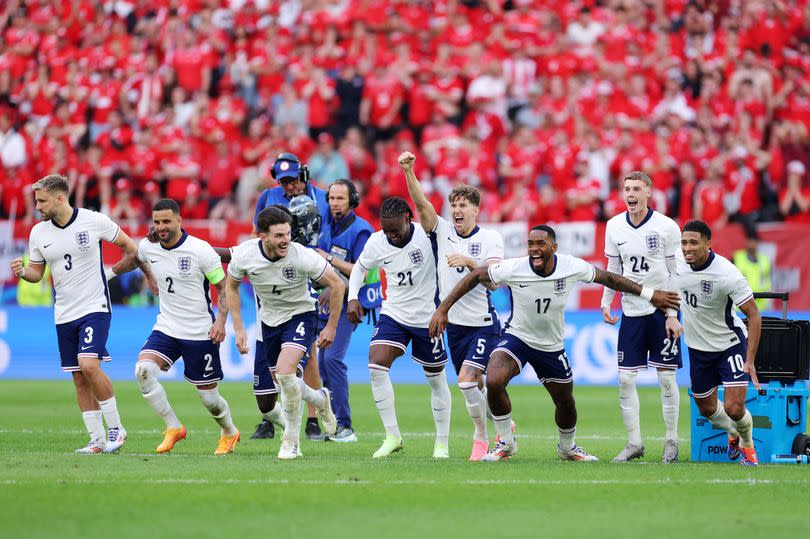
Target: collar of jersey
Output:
[(261, 250), (549, 273), (404, 244), (706, 264), (70, 221), (472, 233), (180, 242), (641, 224)]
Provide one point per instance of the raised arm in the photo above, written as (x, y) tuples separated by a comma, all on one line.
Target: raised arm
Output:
[(660, 298), (426, 211), (439, 320), (754, 330)]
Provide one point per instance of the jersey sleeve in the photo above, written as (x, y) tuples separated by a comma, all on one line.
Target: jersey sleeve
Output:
[(211, 264), (739, 289), (370, 257), (142, 246), (236, 268), (673, 240), (495, 248), (501, 272), (442, 226), (611, 249), (313, 264), (34, 253), (106, 228), (583, 271)]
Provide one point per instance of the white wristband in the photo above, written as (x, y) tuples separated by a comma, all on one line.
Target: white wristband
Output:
[(109, 274), (646, 293)]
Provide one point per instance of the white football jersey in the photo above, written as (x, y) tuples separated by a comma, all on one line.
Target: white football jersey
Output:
[(73, 252), (183, 274), (538, 303), (410, 290), (475, 308), (281, 287), (643, 251), (708, 297)]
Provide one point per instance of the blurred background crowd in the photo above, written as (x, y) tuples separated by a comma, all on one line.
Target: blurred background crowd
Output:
[(543, 105)]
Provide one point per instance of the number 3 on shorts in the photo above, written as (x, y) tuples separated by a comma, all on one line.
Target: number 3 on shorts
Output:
[(89, 338)]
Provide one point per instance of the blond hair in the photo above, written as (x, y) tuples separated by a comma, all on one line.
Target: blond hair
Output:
[(52, 182)]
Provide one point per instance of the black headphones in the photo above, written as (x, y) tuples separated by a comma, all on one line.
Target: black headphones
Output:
[(354, 196), (292, 160)]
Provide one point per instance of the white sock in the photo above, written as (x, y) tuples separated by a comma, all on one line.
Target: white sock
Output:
[(745, 426), (503, 426), (110, 411), (383, 393), (146, 373), (567, 442), (315, 397), (219, 409), (94, 424), (276, 415), (440, 403), (290, 391), (670, 401), (722, 421), (477, 408), (628, 401)]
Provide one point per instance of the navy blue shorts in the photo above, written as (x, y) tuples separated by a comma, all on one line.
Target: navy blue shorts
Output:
[(425, 350), (710, 369), (471, 345), (549, 366), (297, 332), (643, 341), (263, 383), (201, 364), (84, 337)]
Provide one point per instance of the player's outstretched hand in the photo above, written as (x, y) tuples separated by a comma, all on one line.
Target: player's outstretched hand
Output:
[(673, 327), (608, 317), (241, 341), (438, 323), (17, 267), (666, 300), (217, 332), (752, 371), (406, 160), (326, 337), (354, 312), (152, 235)]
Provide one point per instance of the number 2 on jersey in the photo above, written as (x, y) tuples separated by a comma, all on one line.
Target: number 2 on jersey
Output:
[(171, 283)]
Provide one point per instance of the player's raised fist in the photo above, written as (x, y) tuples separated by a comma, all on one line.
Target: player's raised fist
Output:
[(17, 267), (406, 160)]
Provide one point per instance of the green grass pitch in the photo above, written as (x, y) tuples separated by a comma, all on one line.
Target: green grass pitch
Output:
[(337, 490)]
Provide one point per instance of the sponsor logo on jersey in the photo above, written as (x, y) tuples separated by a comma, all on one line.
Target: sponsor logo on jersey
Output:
[(474, 249), (184, 264), (416, 257), (653, 242), (83, 238), (706, 288), (288, 272), (559, 286)]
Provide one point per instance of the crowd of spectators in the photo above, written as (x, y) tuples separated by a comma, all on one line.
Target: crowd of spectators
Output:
[(542, 104)]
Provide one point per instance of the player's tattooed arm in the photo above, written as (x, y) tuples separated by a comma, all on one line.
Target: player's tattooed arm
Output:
[(131, 250), (660, 298), (224, 254), (439, 320), (426, 211), (217, 332)]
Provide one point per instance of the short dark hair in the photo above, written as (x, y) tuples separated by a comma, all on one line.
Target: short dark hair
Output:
[(167, 204), (465, 191), (272, 215), (700, 227), (395, 207), (548, 230)]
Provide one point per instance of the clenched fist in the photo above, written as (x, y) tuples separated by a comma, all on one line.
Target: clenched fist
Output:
[(406, 160)]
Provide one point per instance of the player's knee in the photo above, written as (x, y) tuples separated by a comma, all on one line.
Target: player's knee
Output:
[(266, 403), (735, 410), (497, 380), (666, 379), (146, 374), (565, 403), (627, 380), (89, 365)]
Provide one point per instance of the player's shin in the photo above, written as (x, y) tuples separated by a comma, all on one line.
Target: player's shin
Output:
[(276, 416), (440, 401), (477, 408), (629, 403), (311, 396), (670, 401), (146, 373), (744, 426), (383, 392), (722, 421), (219, 409), (290, 391)]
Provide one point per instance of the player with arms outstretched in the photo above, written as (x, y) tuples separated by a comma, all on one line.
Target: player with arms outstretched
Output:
[(721, 351), (404, 251), (280, 271), (540, 285), (69, 241), (185, 267), (473, 329)]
